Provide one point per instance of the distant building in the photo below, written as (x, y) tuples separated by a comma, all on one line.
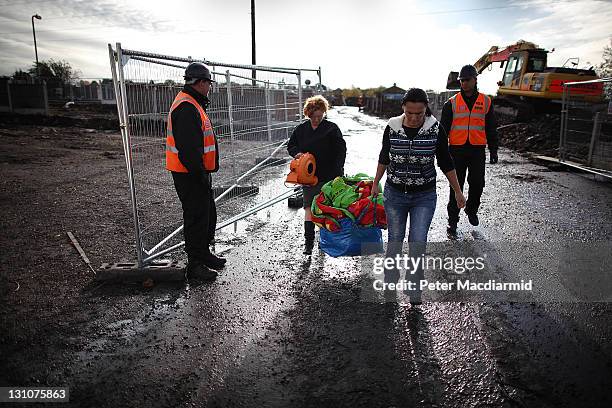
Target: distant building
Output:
[(386, 103), (395, 93), (335, 97)]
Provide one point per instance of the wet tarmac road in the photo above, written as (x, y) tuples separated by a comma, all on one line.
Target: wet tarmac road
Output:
[(280, 329)]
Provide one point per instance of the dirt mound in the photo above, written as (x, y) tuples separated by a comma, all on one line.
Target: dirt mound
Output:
[(538, 135), (100, 123)]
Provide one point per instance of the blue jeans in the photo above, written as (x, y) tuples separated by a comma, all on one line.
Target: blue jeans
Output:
[(421, 207)]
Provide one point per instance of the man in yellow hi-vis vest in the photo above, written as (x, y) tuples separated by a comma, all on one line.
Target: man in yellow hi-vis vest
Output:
[(469, 121), (192, 155)]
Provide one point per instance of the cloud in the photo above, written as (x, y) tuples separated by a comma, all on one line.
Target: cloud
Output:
[(377, 43), (574, 28)]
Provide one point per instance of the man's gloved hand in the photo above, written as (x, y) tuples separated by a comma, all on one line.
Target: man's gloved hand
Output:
[(493, 157)]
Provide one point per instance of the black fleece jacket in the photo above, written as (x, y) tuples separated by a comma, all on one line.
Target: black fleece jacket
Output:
[(446, 120), (187, 131), (325, 143)]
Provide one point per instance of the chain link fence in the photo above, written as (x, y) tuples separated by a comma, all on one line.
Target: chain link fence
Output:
[(253, 110), (586, 126)]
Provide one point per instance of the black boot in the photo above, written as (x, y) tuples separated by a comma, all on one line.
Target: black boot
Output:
[(451, 229), (214, 262), (198, 271), (472, 217), (309, 235)]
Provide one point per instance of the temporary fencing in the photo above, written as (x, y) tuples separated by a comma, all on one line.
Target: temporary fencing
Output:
[(253, 110), (585, 139)]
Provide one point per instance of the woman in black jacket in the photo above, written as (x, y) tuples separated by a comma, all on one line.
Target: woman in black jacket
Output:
[(323, 139)]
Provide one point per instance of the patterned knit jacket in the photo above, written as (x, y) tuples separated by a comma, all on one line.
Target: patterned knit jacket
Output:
[(412, 160)]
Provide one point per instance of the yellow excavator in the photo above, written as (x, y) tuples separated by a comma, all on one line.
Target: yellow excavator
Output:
[(528, 85)]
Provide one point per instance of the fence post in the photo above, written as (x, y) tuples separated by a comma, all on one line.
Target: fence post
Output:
[(268, 112), (286, 113), (155, 107), (100, 92), (45, 97), (125, 134), (300, 113), (594, 136), (8, 91), (564, 110), (228, 81)]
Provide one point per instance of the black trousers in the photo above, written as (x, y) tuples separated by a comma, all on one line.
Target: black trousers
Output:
[(199, 215), (470, 161)]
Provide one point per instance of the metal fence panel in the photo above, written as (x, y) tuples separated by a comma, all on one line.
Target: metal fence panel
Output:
[(252, 120), (586, 127)]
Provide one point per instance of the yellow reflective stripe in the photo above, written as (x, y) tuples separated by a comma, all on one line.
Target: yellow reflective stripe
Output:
[(471, 127), (204, 135), (467, 115), (454, 103), (207, 149)]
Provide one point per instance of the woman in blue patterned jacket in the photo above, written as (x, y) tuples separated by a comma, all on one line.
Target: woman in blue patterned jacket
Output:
[(411, 141)]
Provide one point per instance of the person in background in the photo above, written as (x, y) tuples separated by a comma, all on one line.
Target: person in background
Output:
[(469, 121), (410, 144), (323, 139)]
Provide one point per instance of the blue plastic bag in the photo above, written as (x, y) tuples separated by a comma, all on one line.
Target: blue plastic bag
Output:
[(349, 239)]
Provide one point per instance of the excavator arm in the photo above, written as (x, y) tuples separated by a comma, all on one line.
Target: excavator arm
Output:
[(493, 55)]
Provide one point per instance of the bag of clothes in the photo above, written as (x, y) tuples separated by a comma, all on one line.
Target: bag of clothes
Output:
[(350, 219)]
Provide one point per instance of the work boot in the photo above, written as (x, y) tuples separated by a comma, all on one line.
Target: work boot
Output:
[(472, 218), (308, 245), (214, 262), (199, 272), (416, 301), (309, 235), (218, 258), (451, 229)]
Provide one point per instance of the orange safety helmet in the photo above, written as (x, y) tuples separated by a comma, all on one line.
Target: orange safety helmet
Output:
[(302, 170)]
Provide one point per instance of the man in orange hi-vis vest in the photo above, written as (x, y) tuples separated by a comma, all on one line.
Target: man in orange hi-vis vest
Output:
[(469, 121), (192, 155)]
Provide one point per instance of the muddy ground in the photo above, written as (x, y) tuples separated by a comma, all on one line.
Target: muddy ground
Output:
[(279, 329)]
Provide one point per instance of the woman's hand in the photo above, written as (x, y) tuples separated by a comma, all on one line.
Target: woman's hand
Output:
[(460, 198), (375, 190)]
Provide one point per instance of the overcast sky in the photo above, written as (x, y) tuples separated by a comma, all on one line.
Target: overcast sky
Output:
[(362, 43)]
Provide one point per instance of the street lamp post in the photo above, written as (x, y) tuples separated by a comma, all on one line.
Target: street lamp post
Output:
[(35, 16), (253, 59)]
